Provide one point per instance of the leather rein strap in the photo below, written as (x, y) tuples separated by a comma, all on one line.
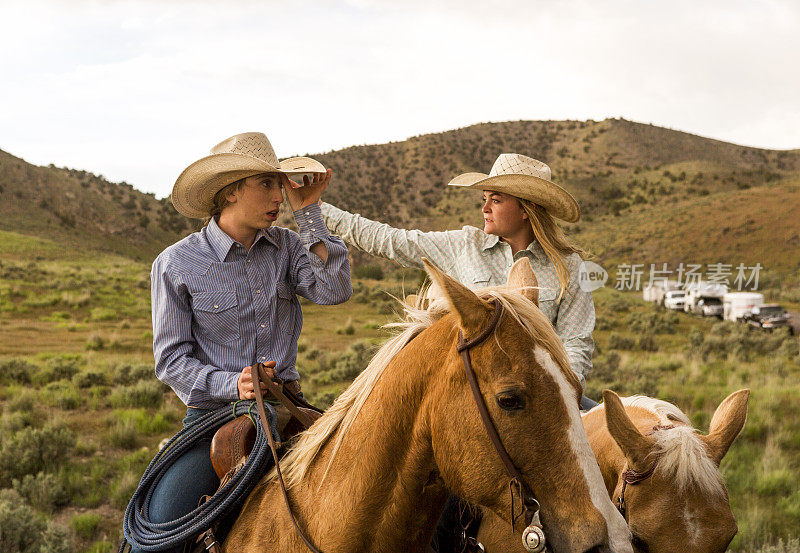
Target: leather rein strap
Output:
[(276, 389), (529, 502)]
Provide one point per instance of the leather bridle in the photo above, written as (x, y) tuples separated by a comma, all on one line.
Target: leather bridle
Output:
[(633, 477), (533, 538)]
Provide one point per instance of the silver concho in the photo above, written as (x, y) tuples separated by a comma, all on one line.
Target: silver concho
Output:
[(533, 539)]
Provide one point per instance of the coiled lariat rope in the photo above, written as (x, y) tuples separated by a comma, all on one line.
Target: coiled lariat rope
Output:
[(146, 535)]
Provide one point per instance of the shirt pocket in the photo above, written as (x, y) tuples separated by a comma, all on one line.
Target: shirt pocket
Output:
[(479, 279), (284, 310), (216, 314), (548, 303)]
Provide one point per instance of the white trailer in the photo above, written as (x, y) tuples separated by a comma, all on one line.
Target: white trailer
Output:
[(655, 292), (735, 305), (701, 290)]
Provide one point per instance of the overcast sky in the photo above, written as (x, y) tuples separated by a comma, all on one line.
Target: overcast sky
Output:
[(138, 90)]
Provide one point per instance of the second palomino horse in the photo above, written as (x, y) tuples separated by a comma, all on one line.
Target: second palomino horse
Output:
[(660, 473)]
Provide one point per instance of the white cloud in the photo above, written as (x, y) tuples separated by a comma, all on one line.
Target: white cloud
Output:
[(137, 90)]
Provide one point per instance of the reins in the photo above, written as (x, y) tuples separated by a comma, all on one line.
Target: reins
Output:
[(533, 538), (276, 389)]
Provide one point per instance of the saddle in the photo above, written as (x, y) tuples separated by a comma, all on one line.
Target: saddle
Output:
[(234, 441)]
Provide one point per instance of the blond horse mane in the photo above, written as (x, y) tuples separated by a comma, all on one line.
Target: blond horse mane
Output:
[(341, 415), (680, 453)]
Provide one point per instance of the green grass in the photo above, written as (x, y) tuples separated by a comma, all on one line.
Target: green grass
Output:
[(109, 413)]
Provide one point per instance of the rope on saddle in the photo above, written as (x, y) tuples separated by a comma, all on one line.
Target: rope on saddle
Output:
[(140, 532)]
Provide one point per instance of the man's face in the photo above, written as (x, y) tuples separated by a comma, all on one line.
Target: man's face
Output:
[(255, 205)]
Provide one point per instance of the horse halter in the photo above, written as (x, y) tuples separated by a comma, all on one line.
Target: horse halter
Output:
[(533, 539)]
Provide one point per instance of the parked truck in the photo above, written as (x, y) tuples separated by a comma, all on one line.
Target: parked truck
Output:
[(768, 316)]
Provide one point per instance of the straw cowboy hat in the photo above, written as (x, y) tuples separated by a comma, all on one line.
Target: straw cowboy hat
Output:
[(238, 157), (525, 178)]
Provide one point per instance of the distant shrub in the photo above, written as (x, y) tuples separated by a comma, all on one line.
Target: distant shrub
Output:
[(56, 539), (90, 377), (95, 342), (123, 434), (130, 374), (76, 299), (20, 527), (85, 525), (143, 422), (346, 365), (33, 450), (22, 402), (62, 394), (16, 371), (370, 270), (103, 314), (657, 322), (617, 341), (43, 491), (59, 367), (146, 393), (646, 342), (123, 488)]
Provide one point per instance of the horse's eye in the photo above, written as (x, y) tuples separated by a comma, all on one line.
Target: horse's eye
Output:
[(639, 544), (510, 402)]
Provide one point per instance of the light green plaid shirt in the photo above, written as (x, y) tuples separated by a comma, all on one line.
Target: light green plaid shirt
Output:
[(477, 259)]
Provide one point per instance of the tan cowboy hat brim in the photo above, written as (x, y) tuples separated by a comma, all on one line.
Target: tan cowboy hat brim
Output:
[(193, 193), (558, 202)]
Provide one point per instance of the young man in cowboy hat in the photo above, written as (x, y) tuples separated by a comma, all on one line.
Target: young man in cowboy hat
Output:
[(224, 298)]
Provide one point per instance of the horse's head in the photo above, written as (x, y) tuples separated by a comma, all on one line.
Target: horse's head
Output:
[(682, 504), (533, 400)]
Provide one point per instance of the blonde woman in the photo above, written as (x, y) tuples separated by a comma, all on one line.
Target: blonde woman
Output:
[(520, 205)]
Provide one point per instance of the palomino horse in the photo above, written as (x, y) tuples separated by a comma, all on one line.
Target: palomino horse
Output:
[(675, 499), (374, 472)]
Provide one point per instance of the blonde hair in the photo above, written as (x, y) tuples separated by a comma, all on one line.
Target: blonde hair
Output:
[(554, 242), (221, 201)]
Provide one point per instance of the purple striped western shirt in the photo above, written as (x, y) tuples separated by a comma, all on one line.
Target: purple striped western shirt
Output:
[(218, 308)]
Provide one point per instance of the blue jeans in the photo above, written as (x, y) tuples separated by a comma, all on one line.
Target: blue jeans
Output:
[(185, 482)]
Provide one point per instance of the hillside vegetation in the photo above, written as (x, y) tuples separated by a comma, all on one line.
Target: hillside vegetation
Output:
[(82, 412)]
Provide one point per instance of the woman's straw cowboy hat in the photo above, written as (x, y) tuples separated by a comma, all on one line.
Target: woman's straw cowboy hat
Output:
[(525, 178), (238, 157)]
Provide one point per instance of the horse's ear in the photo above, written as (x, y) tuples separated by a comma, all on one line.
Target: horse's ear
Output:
[(468, 307), (634, 445), (522, 276), (727, 422)]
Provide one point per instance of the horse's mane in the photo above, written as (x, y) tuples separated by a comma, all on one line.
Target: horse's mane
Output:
[(340, 416), (680, 453)]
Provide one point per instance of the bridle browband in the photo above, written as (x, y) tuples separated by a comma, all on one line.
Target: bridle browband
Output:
[(533, 537)]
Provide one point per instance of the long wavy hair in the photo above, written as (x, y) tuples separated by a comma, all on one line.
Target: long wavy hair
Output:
[(554, 242)]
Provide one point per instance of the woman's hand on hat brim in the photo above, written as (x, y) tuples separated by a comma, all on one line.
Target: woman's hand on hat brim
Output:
[(302, 195)]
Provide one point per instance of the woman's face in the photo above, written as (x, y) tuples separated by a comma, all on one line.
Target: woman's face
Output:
[(502, 214)]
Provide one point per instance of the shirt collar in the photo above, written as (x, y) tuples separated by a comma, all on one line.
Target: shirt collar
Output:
[(221, 243), (534, 247)]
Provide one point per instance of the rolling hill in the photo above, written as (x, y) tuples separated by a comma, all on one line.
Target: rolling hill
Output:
[(648, 194)]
